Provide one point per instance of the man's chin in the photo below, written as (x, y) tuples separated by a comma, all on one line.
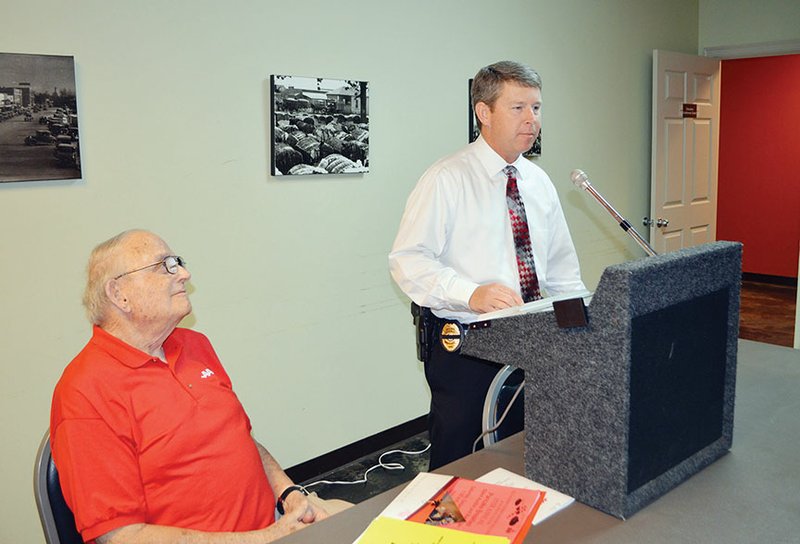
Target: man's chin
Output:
[(187, 309), (525, 143)]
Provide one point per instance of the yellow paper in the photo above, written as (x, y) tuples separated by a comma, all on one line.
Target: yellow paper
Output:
[(399, 531)]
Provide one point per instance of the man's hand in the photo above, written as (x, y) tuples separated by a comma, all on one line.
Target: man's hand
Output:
[(307, 510), (293, 519), (493, 296)]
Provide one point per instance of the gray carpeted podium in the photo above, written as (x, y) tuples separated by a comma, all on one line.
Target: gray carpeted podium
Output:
[(624, 408)]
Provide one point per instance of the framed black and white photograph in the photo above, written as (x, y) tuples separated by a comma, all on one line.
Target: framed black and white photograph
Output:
[(534, 151), (39, 137), (319, 126)]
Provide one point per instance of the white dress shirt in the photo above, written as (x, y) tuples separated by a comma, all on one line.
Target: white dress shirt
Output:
[(455, 234)]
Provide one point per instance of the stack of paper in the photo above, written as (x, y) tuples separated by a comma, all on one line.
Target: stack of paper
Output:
[(499, 507), (385, 530), (541, 305)]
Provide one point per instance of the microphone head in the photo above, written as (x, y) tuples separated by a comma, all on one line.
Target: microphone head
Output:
[(580, 179)]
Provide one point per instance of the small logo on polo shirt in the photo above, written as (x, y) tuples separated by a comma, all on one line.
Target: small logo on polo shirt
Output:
[(207, 373)]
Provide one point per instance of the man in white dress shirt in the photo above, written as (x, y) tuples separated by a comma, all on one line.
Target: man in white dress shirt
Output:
[(455, 253)]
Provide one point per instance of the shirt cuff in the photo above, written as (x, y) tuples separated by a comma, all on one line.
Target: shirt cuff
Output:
[(460, 292)]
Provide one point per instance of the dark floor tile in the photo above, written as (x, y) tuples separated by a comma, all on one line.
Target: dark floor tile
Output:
[(378, 479)]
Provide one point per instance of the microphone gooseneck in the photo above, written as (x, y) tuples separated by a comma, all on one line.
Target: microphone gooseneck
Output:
[(581, 181)]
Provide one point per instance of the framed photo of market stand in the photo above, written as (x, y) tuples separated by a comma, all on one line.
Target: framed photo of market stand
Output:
[(318, 126)]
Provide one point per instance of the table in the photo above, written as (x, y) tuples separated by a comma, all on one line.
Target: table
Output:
[(752, 494)]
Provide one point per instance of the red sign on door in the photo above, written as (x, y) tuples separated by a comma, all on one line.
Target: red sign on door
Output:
[(689, 110)]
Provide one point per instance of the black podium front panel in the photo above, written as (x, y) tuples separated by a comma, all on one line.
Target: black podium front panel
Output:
[(676, 384)]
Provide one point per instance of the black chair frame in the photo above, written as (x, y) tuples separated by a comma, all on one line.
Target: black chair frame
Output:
[(57, 520)]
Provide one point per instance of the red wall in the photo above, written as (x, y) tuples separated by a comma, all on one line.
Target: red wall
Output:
[(759, 162)]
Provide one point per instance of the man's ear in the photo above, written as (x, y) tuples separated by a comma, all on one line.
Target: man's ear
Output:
[(483, 113), (117, 296)]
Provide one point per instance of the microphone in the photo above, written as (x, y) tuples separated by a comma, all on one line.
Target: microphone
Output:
[(581, 181)]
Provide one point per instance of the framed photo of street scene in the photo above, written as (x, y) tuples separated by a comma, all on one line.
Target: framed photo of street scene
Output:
[(319, 126), (39, 137), (534, 151)]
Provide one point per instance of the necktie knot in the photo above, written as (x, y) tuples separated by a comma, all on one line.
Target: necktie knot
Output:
[(510, 172)]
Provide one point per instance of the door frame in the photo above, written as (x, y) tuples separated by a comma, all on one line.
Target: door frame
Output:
[(764, 49)]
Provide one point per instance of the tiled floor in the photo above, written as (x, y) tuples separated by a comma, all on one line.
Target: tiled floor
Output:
[(766, 315)]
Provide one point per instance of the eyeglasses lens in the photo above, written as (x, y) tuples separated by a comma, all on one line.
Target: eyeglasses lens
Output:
[(172, 263)]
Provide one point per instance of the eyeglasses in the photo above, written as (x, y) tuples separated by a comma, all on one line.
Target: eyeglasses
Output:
[(171, 264)]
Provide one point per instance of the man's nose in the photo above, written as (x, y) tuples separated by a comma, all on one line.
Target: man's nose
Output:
[(183, 274), (531, 115)]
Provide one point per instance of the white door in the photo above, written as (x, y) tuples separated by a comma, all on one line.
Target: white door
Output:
[(683, 181)]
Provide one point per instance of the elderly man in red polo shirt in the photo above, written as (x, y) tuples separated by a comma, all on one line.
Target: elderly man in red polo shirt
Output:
[(151, 443)]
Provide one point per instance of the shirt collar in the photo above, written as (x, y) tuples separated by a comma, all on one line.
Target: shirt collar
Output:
[(491, 161), (173, 348), (119, 350)]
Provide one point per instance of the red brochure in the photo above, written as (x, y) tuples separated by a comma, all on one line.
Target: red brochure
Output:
[(477, 507)]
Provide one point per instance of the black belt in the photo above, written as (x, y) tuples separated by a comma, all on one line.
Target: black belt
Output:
[(431, 329)]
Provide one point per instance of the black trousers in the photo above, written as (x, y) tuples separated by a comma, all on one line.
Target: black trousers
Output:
[(458, 389)]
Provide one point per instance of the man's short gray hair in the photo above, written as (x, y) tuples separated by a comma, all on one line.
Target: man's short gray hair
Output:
[(488, 82), (99, 271)]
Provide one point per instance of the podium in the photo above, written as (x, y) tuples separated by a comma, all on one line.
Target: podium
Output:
[(623, 409)]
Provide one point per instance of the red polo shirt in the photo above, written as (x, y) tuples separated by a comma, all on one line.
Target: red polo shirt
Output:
[(139, 441)]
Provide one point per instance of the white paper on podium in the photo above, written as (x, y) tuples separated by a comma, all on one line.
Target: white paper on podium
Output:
[(553, 500), (424, 486), (541, 305)]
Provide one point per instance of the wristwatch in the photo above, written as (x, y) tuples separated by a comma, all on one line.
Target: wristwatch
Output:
[(279, 503)]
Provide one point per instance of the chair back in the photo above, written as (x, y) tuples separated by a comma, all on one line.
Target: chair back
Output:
[(58, 522), (500, 395)]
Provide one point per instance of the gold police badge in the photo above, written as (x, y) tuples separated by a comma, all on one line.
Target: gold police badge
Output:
[(451, 336)]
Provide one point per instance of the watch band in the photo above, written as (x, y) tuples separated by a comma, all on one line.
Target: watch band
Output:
[(286, 492)]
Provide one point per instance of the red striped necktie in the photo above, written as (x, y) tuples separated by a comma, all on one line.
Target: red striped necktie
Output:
[(529, 283)]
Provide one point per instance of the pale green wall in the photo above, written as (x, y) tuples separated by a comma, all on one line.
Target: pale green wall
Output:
[(290, 276), (745, 22)]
